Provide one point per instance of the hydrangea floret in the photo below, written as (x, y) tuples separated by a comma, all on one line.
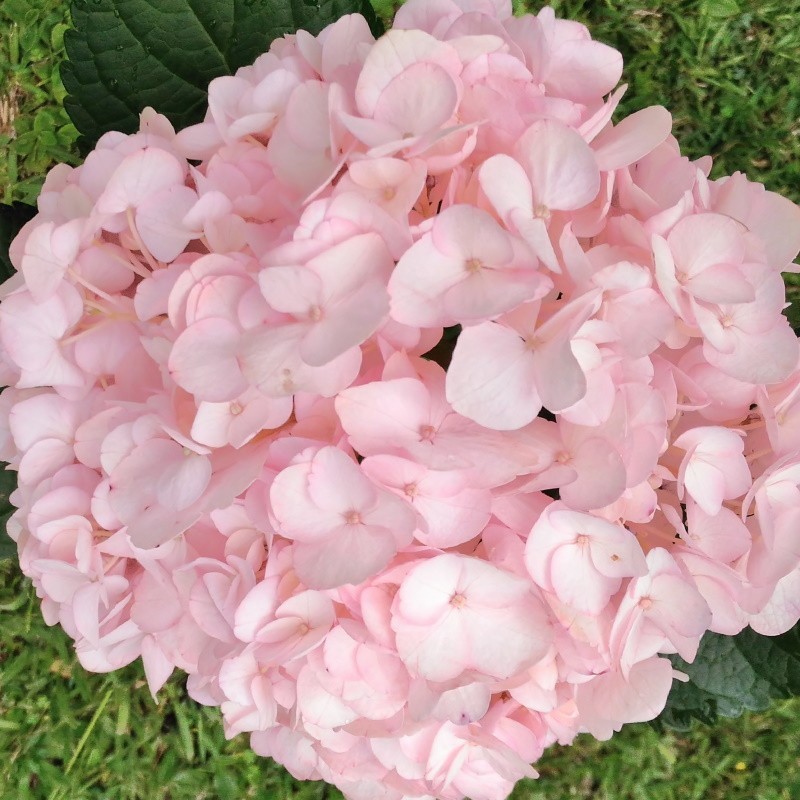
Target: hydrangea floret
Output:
[(238, 457)]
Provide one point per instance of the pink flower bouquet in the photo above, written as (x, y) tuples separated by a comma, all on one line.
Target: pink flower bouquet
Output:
[(410, 405)]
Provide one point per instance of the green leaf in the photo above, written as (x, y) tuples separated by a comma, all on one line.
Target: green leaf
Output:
[(57, 35), (12, 218), (733, 674), (792, 311), (8, 482), (125, 55)]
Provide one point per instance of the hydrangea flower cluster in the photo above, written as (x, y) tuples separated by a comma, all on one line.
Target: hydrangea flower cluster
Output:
[(404, 574)]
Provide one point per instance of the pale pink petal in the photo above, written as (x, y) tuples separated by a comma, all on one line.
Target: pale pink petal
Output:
[(299, 518), (157, 667), (256, 609), (49, 251), (159, 220), (721, 536), (704, 240), (384, 415), (782, 612), (329, 562), (583, 70), (140, 176), (491, 378), (506, 186), (560, 165), (336, 484), (601, 475), (577, 583), (721, 284), (294, 290), (759, 358), (204, 360), (184, 482), (421, 99), (560, 381), (350, 322), (632, 139), (391, 55), (611, 700)]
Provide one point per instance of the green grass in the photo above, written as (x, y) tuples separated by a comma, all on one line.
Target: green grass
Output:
[(730, 73)]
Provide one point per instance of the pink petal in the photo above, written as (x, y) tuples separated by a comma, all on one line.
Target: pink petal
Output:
[(420, 100), (490, 292), (349, 323), (48, 252), (507, 640), (560, 381), (601, 476), (577, 583), (140, 176), (293, 290), (632, 139), (560, 165), (184, 482), (704, 240), (391, 55), (204, 360), (721, 536), (336, 484), (759, 358), (583, 70), (159, 220), (298, 516), (721, 283), (491, 378), (329, 562), (782, 612), (384, 415), (256, 609), (506, 186), (438, 653)]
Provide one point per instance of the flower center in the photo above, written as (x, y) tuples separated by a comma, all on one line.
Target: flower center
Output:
[(287, 380), (458, 600), (532, 342), (426, 433), (352, 518), (474, 265)]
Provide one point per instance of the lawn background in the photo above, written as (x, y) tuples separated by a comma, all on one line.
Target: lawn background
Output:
[(729, 70)]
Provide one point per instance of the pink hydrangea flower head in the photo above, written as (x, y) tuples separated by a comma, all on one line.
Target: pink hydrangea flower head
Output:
[(414, 403)]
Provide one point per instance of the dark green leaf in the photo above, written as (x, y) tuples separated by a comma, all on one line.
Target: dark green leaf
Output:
[(125, 55), (12, 218), (792, 311), (733, 674), (8, 482)]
